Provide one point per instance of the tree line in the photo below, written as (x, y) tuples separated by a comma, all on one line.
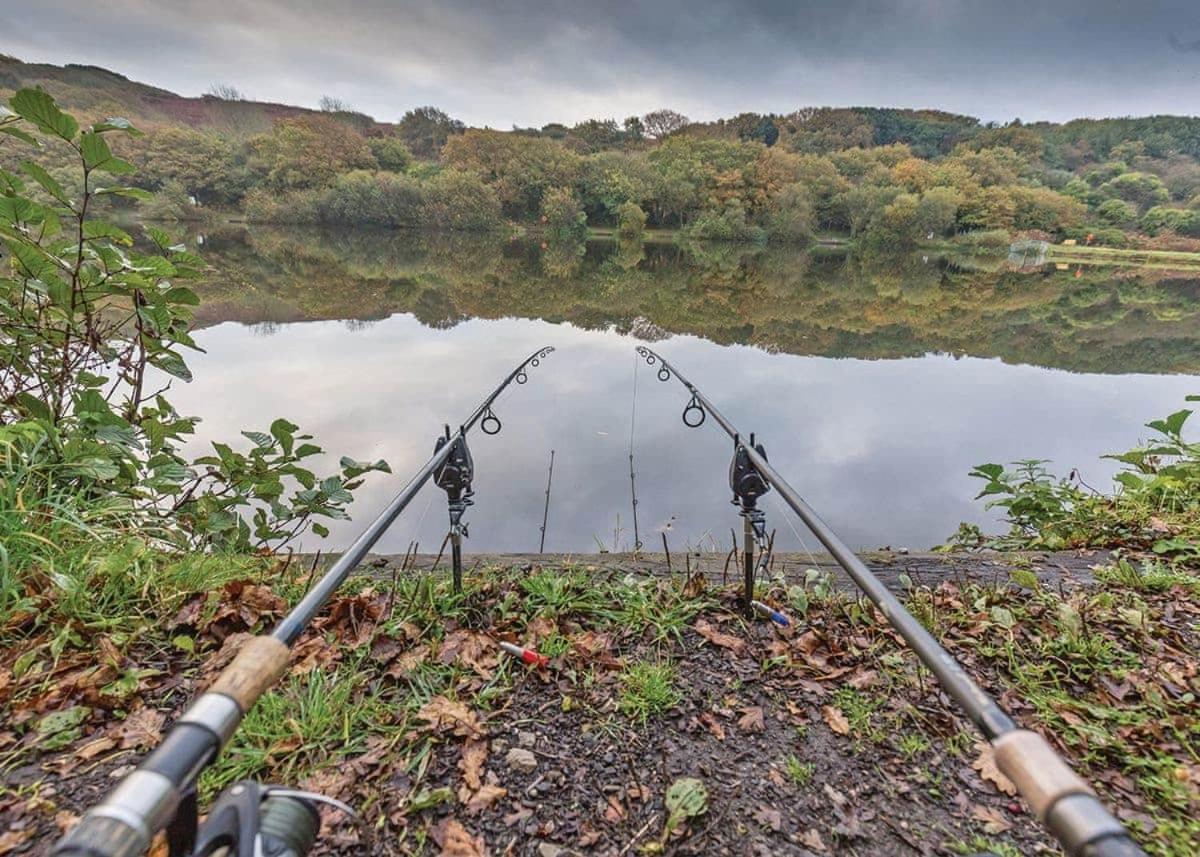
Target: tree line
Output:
[(891, 177)]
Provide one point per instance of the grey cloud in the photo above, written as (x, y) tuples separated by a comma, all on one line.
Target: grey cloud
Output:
[(530, 63)]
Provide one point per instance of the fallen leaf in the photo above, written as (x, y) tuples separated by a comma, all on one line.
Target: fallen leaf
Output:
[(768, 817), (751, 720), (456, 840), (95, 747), (714, 725), (487, 795), (985, 764), (812, 840), (836, 720), (720, 638), (142, 729), (993, 820), (613, 812), (10, 840), (474, 754), (446, 714)]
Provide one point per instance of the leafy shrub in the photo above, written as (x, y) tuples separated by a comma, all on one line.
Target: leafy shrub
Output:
[(460, 200), (563, 215), (84, 328), (727, 225), (266, 206), (1183, 221), (631, 220), (390, 153), (382, 198), (1117, 212), (1156, 506)]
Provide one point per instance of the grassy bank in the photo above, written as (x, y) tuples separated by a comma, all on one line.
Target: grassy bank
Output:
[(1152, 259), (400, 702)]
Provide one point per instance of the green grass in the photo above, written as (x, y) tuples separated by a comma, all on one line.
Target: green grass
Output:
[(307, 724), (800, 773), (647, 690)]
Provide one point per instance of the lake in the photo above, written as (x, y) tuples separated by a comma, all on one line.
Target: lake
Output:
[(875, 384)]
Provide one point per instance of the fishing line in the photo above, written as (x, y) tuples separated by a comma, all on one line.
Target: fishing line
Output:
[(783, 513), (637, 540)]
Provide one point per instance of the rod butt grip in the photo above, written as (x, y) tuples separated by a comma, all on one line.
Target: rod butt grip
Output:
[(260, 663)]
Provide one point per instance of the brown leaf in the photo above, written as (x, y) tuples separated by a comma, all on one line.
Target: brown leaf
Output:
[(470, 649), (614, 811), (768, 817), (714, 725), (720, 638), (487, 795), (474, 755), (142, 729), (812, 840), (403, 666), (751, 720), (95, 747), (12, 839), (446, 714), (836, 719), (456, 840), (863, 679), (993, 820), (985, 764)]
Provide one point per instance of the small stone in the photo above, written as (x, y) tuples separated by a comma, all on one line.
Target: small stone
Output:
[(499, 746), (521, 759), (549, 849), (526, 739)]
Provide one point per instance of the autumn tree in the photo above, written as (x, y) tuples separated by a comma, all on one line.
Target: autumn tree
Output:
[(308, 152), (519, 168)]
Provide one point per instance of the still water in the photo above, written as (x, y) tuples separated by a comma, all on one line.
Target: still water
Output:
[(875, 384)]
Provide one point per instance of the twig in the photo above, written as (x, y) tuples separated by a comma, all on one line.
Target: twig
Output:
[(667, 551), (441, 551), (637, 835)]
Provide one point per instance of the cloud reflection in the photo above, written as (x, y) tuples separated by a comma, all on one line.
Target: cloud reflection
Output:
[(881, 448)]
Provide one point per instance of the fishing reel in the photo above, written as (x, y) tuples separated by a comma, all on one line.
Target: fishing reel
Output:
[(252, 820)]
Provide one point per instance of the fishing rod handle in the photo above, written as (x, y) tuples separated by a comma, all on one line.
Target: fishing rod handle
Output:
[(1059, 797), (144, 801)]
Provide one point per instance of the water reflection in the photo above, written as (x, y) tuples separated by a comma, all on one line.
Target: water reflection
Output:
[(411, 333)]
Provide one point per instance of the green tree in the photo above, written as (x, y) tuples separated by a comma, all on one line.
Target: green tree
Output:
[(425, 130), (1140, 189), (791, 215), (937, 211), (520, 168)]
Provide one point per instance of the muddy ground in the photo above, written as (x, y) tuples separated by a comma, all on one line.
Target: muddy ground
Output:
[(765, 719)]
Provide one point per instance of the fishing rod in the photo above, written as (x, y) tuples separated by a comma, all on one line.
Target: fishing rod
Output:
[(247, 819), (1059, 798)]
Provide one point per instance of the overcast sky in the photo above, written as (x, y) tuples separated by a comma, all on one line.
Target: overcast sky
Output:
[(501, 62)]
